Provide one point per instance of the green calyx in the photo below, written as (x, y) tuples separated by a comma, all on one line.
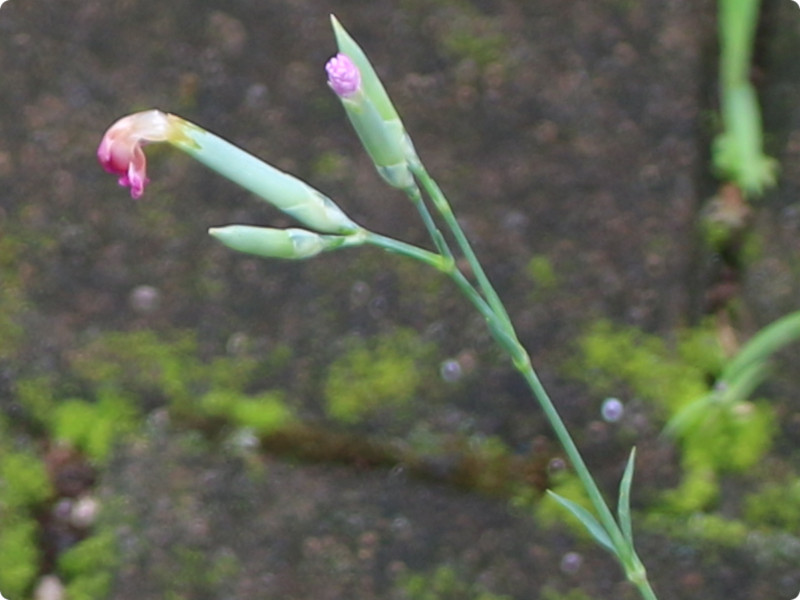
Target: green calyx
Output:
[(280, 243)]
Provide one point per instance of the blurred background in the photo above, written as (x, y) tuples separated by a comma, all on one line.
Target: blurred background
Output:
[(179, 421)]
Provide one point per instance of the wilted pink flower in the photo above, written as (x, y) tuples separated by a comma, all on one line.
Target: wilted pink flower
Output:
[(120, 151), (343, 76)]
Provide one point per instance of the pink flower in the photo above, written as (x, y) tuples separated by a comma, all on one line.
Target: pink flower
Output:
[(120, 151), (343, 76)]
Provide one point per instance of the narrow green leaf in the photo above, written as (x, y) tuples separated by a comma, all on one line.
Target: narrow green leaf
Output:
[(690, 415), (765, 343), (727, 392), (589, 521), (624, 501), (742, 383)]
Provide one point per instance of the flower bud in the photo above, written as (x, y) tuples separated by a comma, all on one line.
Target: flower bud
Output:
[(370, 81), (372, 114), (343, 76), (270, 243)]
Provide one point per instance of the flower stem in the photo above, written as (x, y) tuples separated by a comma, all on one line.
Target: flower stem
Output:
[(491, 307), (443, 207), (437, 261)]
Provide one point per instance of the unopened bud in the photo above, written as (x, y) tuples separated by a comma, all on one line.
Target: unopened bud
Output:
[(270, 243), (370, 110), (343, 76)]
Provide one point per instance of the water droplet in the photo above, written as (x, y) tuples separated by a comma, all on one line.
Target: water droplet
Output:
[(612, 410), (450, 370), (144, 298), (571, 563), (556, 465)]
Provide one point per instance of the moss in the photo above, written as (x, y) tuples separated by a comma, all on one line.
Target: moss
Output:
[(19, 555), (264, 413), (35, 396), (541, 272), (166, 368), (331, 166), (88, 567), (91, 586), (377, 375), (486, 464), (140, 362), (728, 436), (610, 358), (12, 296), (443, 583), (467, 34), (195, 572), (775, 505), (708, 531), (549, 593), (24, 481), (698, 489), (94, 427)]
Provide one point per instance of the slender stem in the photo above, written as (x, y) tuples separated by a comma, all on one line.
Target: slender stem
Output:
[(438, 239), (493, 310), (643, 585), (437, 261), (443, 206), (504, 334)]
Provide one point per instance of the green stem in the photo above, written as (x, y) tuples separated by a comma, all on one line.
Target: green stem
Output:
[(443, 206), (492, 309), (738, 20), (438, 239), (505, 334), (437, 261)]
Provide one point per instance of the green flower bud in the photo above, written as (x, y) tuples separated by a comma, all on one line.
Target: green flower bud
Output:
[(370, 81), (353, 79), (271, 243), (381, 142)]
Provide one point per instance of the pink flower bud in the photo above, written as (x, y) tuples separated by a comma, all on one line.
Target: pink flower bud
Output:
[(343, 76), (120, 151)]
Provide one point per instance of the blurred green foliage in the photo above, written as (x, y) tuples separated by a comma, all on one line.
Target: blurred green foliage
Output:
[(706, 530), (19, 554), (541, 271), (551, 594), (169, 369), (12, 296), (88, 566), (94, 427), (24, 481), (24, 488), (379, 375), (263, 413), (96, 404), (728, 436), (775, 505), (198, 571), (444, 583)]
